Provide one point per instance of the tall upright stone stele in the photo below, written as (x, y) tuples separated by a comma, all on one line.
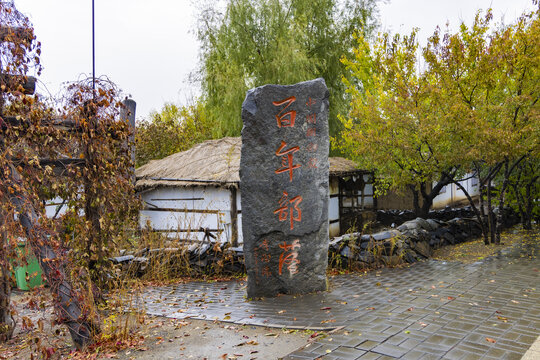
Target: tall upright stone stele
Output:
[(284, 188)]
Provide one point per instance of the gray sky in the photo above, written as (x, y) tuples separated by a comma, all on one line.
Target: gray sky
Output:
[(148, 48)]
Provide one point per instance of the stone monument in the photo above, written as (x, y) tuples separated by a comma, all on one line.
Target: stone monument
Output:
[(284, 188)]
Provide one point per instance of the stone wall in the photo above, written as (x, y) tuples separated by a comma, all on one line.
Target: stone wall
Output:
[(411, 241)]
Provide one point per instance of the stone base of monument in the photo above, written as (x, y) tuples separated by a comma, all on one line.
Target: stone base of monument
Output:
[(305, 273), (284, 182)]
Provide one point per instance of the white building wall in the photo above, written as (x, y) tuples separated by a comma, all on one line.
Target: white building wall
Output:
[(54, 205), (333, 207), (452, 194), (195, 207)]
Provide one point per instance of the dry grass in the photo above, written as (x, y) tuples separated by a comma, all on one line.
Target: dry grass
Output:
[(473, 251)]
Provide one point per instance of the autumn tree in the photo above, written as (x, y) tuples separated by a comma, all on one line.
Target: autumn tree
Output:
[(490, 78), (18, 53), (171, 130), (78, 152), (394, 128), (276, 41), (470, 106)]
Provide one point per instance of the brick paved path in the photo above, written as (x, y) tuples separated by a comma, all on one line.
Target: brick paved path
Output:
[(431, 310)]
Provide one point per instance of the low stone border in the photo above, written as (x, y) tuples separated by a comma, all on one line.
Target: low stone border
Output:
[(411, 241)]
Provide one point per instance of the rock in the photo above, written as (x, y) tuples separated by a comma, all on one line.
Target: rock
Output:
[(433, 223), (365, 244), (424, 224), (364, 238), (383, 235), (410, 256), (346, 252), (403, 227), (450, 238), (366, 257), (422, 248), (336, 244), (284, 176)]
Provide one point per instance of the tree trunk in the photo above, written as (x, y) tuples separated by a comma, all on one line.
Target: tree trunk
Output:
[(416, 200), (483, 216), (527, 224), (427, 198), (499, 218), (491, 215), (477, 213), (520, 203), (72, 313), (7, 324)]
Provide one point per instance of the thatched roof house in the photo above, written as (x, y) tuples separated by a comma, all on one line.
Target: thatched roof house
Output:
[(213, 162), (197, 191)]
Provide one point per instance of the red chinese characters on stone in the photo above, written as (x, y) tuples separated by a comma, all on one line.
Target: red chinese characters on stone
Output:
[(311, 118), (310, 102), (289, 257), (312, 163), (310, 132), (287, 159), (285, 119), (288, 209), (265, 271), (262, 256), (312, 147)]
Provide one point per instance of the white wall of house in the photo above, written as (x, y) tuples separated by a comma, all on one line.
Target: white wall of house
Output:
[(184, 210), (333, 207), (194, 207), (452, 194), (54, 205)]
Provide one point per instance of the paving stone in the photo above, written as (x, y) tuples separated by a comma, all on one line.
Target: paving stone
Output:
[(455, 354), (346, 353), (390, 350), (432, 308), (413, 355), (367, 345), (430, 357), (370, 356)]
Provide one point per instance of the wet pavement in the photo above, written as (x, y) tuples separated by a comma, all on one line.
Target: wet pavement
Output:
[(430, 310)]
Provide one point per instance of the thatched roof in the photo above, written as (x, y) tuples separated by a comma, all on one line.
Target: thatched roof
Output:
[(213, 162)]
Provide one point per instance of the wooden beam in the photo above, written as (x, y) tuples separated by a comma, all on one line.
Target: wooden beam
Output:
[(234, 218), (186, 230), (67, 125), (183, 210)]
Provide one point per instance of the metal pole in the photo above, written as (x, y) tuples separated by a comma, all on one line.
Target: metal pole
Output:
[(93, 51)]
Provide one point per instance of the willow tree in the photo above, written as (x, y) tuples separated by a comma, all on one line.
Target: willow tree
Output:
[(276, 41), (171, 130)]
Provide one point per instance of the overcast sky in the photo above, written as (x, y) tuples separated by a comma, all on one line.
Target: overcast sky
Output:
[(148, 48)]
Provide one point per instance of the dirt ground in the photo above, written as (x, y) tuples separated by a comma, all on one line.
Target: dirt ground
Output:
[(198, 339), (154, 338)]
